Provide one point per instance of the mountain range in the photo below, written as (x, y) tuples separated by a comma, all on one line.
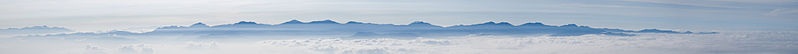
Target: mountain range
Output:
[(361, 29), (33, 30)]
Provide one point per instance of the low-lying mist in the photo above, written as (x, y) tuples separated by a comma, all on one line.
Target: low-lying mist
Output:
[(724, 43)]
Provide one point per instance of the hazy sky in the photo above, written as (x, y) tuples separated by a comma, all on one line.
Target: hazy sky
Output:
[(700, 15)]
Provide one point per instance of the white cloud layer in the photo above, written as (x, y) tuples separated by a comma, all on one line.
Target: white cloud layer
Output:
[(724, 43), (646, 44)]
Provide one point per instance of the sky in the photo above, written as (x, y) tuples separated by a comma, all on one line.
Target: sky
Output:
[(143, 15)]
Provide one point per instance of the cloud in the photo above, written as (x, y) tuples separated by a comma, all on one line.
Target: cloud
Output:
[(760, 1), (646, 44), (782, 11), (202, 45), (135, 49), (94, 49), (698, 3), (727, 42)]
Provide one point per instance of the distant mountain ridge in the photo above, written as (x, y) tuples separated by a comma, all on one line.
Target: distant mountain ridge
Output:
[(34, 30), (360, 29)]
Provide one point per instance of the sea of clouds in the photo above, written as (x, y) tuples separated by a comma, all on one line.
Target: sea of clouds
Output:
[(723, 43)]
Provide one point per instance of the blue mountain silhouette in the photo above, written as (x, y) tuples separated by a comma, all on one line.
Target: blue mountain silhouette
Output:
[(34, 30), (360, 29)]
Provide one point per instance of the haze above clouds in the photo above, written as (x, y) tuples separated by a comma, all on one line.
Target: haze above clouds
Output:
[(742, 26), (143, 15)]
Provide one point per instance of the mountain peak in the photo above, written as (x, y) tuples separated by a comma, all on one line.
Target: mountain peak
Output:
[(199, 24), (324, 22), (490, 22), (246, 22), (658, 31), (504, 23), (533, 24), (354, 22), (650, 30), (419, 23), (570, 25), (42, 26), (494, 23), (293, 22)]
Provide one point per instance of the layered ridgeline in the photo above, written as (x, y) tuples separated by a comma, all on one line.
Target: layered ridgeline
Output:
[(33, 30), (360, 29)]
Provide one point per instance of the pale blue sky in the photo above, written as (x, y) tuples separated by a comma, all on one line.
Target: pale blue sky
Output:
[(697, 15)]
